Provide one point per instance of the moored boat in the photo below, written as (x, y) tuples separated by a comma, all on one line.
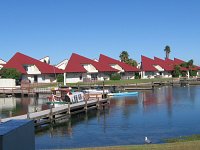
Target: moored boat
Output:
[(96, 91), (62, 96), (123, 94)]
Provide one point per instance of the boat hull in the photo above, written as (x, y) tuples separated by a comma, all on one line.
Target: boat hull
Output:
[(123, 94)]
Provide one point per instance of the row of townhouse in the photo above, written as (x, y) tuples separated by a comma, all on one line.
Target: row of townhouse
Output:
[(151, 68), (81, 69)]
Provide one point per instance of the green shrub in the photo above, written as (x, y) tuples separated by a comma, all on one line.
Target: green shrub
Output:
[(10, 73), (115, 76), (193, 73), (137, 75), (60, 78)]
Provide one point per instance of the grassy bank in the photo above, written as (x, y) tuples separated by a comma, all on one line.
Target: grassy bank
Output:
[(122, 82), (181, 143), (190, 145)]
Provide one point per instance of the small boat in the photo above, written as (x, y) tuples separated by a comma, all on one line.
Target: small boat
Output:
[(96, 91), (123, 94), (62, 96)]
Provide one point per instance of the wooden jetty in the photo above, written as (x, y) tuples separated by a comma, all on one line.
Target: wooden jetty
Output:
[(53, 115)]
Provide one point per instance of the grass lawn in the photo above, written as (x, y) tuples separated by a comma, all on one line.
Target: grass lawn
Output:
[(121, 82), (190, 145)]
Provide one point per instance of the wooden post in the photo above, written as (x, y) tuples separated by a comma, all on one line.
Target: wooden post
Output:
[(86, 105), (69, 111), (50, 114), (98, 104), (28, 115)]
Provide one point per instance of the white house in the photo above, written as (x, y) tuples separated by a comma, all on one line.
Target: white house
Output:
[(32, 69), (82, 69), (126, 71)]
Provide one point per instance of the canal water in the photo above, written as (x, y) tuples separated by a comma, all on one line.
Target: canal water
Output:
[(165, 112)]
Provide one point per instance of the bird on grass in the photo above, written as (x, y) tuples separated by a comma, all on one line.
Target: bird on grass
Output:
[(147, 141)]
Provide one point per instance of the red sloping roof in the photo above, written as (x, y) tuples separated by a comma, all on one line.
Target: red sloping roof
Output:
[(19, 60), (147, 64), (76, 63), (163, 64), (108, 61), (178, 61)]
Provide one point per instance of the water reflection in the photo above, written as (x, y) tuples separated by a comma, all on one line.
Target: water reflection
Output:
[(13, 106), (162, 113)]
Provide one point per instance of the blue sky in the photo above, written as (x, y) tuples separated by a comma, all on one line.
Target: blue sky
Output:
[(57, 28)]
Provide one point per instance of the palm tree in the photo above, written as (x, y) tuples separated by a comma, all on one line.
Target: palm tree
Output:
[(124, 56), (167, 50)]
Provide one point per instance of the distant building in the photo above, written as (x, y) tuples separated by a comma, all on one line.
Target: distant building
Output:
[(32, 69), (157, 67)]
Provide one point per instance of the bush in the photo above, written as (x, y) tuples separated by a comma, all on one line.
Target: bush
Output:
[(137, 75), (10, 73), (176, 72), (115, 76), (60, 78), (193, 73)]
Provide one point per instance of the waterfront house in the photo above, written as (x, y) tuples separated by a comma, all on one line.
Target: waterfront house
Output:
[(82, 69), (126, 71), (149, 68), (167, 69), (32, 69)]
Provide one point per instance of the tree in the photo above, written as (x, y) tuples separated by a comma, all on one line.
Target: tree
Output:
[(10, 73), (167, 50), (124, 56), (190, 63), (177, 71), (132, 62)]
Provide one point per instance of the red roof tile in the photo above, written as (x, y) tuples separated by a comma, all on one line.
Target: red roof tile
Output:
[(147, 64), (163, 64), (76, 63), (19, 60), (178, 61), (109, 61)]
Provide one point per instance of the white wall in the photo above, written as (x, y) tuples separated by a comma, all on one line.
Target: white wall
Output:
[(128, 75), (116, 66), (148, 75), (1, 67), (102, 76), (2, 61), (45, 59), (32, 69), (90, 68), (62, 65), (7, 83), (75, 77), (167, 74), (45, 78)]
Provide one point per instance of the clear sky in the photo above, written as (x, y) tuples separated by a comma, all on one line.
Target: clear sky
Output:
[(57, 28)]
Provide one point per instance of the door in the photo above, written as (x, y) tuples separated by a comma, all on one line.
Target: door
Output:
[(35, 78)]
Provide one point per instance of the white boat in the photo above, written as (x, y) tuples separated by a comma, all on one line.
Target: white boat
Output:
[(65, 96), (96, 91), (123, 94)]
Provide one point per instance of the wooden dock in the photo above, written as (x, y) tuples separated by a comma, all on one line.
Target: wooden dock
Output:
[(53, 115)]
